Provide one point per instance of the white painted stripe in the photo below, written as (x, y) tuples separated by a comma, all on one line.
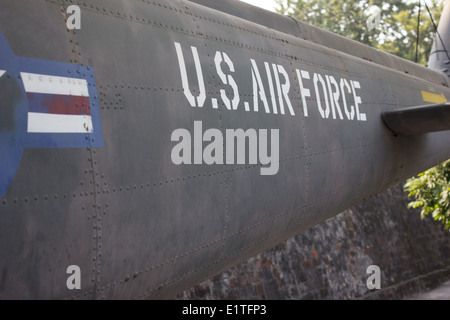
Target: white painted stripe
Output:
[(40, 83), (59, 123), (2, 72)]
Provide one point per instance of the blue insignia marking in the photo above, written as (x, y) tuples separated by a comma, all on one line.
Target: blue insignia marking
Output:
[(15, 116)]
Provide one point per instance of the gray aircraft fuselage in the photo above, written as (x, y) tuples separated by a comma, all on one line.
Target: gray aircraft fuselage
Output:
[(165, 141)]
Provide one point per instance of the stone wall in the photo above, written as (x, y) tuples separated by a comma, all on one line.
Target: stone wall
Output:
[(330, 261)]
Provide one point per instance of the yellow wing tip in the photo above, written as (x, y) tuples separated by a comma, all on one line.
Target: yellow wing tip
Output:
[(433, 97)]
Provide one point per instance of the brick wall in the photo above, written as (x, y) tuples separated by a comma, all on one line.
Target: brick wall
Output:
[(330, 261)]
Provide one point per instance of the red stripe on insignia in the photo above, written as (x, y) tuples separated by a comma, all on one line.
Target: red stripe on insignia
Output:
[(58, 104)]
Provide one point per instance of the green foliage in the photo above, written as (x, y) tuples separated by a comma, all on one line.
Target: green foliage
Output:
[(402, 41), (431, 190), (396, 33)]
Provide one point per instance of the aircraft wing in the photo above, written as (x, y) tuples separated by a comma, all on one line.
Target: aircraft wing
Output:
[(418, 120)]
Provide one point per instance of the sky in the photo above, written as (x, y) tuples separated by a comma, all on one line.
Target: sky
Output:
[(269, 4), (265, 4)]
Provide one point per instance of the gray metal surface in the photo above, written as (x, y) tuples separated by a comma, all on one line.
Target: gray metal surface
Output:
[(141, 226), (328, 39)]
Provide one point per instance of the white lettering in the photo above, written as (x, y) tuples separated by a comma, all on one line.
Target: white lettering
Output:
[(245, 143), (350, 114), (215, 147), (303, 91), (285, 87), (258, 88), (200, 99), (374, 281), (74, 281), (334, 96), (227, 80), (199, 310), (316, 79), (241, 137), (272, 92), (73, 21), (360, 116), (181, 153), (273, 160)]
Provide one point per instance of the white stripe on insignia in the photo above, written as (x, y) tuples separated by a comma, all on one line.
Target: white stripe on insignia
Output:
[(59, 123), (40, 83), (2, 72)]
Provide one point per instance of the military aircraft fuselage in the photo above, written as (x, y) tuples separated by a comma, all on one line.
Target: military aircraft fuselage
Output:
[(164, 141)]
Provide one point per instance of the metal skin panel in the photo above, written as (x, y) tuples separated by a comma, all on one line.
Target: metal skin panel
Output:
[(300, 29), (137, 224)]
